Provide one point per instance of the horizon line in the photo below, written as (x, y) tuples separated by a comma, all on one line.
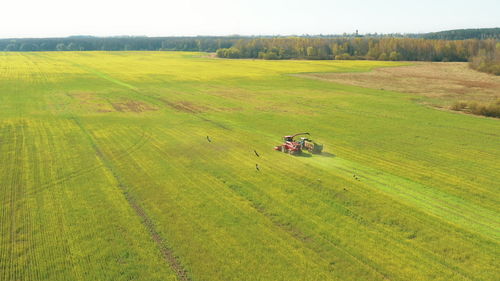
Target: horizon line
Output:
[(240, 35)]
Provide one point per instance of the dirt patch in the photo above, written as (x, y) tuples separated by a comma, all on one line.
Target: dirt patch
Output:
[(185, 106), (228, 109), (217, 124), (92, 102), (285, 109), (477, 84), (444, 82), (96, 103), (83, 96), (101, 110), (189, 107), (209, 56), (132, 106)]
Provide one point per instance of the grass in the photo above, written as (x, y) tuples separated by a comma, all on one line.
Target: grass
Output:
[(107, 173)]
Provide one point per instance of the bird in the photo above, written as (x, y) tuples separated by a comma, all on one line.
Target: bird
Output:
[(255, 151), (257, 167), (208, 139)]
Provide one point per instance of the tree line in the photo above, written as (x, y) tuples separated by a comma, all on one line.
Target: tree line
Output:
[(462, 34), (408, 49), (205, 43), (88, 43), (362, 48)]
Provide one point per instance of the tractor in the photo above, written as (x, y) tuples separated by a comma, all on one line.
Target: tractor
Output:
[(294, 147)]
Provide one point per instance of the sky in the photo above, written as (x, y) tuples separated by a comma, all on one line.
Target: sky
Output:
[(59, 18)]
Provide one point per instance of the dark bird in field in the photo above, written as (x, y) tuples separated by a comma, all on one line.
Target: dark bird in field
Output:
[(208, 139), (345, 189), (257, 167), (255, 151)]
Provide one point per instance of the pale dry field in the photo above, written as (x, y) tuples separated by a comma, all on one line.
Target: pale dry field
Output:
[(443, 83)]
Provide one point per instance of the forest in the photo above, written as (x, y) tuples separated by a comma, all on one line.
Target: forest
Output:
[(395, 49), (484, 55)]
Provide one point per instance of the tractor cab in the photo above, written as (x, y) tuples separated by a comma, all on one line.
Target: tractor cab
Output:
[(303, 140)]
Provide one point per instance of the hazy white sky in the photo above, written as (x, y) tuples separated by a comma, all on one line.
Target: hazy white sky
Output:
[(54, 18)]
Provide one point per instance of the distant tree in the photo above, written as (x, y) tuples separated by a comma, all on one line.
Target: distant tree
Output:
[(72, 47), (382, 56), (61, 47), (11, 47), (269, 55), (344, 56), (28, 47), (24, 47), (231, 53), (311, 52), (394, 56), (44, 47)]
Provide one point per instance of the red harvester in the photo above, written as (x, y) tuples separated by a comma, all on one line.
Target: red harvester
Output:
[(295, 147)]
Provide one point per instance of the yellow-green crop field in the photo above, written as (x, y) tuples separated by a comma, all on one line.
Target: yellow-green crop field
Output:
[(106, 173)]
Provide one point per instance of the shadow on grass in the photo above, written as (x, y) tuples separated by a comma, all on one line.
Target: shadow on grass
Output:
[(308, 155)]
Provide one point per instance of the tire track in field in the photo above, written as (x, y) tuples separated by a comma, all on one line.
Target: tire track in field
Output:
[(435, 257), (166, 252), (297, 234), (442, 176), (394, 238), (144, 139), (444, 205), (436, 204), (80, 172)]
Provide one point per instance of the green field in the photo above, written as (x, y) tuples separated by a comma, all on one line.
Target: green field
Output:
[(106, 174)]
